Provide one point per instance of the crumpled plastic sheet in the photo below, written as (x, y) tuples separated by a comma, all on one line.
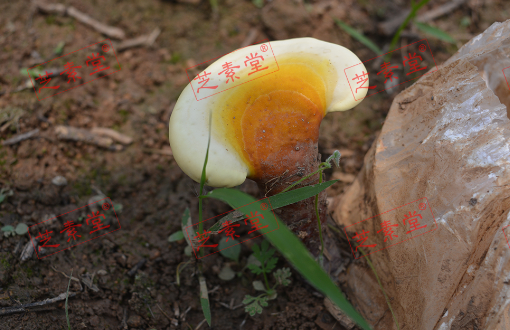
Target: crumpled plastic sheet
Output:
[(447, 138)]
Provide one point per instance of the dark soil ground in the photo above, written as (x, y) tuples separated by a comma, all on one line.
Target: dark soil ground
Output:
[(147, 183)]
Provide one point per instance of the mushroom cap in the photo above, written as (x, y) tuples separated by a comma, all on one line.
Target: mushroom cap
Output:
[(307, 73)]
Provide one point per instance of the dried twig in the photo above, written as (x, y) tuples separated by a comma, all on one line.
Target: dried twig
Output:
[(173, 321), (139, 265), (22, 308), (20, 137), (200, 324), (88, 280), (79, 134), (60, 9), (146, 40), (124, 139), (69, 277)]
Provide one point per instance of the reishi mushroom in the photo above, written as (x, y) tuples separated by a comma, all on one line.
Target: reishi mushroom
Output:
[(267, 129)]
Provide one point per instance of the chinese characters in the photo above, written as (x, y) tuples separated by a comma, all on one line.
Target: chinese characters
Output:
[(76, 228), (70, 71), (231, 71), (386, 73), (391, 227), (232, 229), (74, 69), (254, 60)]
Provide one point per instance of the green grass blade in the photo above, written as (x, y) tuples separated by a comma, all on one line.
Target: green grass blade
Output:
[(203, 178), (359, 36), (281, 200), (292, 249), (297, 195), (204, 299), (435, 32), (396, 37), (67, 297)]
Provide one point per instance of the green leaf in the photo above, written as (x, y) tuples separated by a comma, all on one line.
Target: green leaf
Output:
[(252, 260), (21, 229), (282, 276), (271, 264), (177, 236), (297, 195), (281, 200), (256, 252), (259, 286), (272, 296), (226, 273), (335, 157), (292, 249), (204, 299), (254, 307), (188, 250), (255, 269), (186, 222), (7, 228), (118, 208), (435, 32), (248, 299), (60, 48), (258, 3), (230, 249), (359, 36), (33, 72)]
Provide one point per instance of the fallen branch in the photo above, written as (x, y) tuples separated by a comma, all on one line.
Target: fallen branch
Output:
[(124, 139), (146, 40), (60, 9), (20, 137), (22, 308), (83, 135)]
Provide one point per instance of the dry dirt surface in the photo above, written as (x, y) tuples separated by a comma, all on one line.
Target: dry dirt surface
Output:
[(131, 273)]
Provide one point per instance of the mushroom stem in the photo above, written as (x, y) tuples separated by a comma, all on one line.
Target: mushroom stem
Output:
[(300, 217)]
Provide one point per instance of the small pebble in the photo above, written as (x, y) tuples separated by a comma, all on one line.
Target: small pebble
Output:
[(134, 321), (59, 181)]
